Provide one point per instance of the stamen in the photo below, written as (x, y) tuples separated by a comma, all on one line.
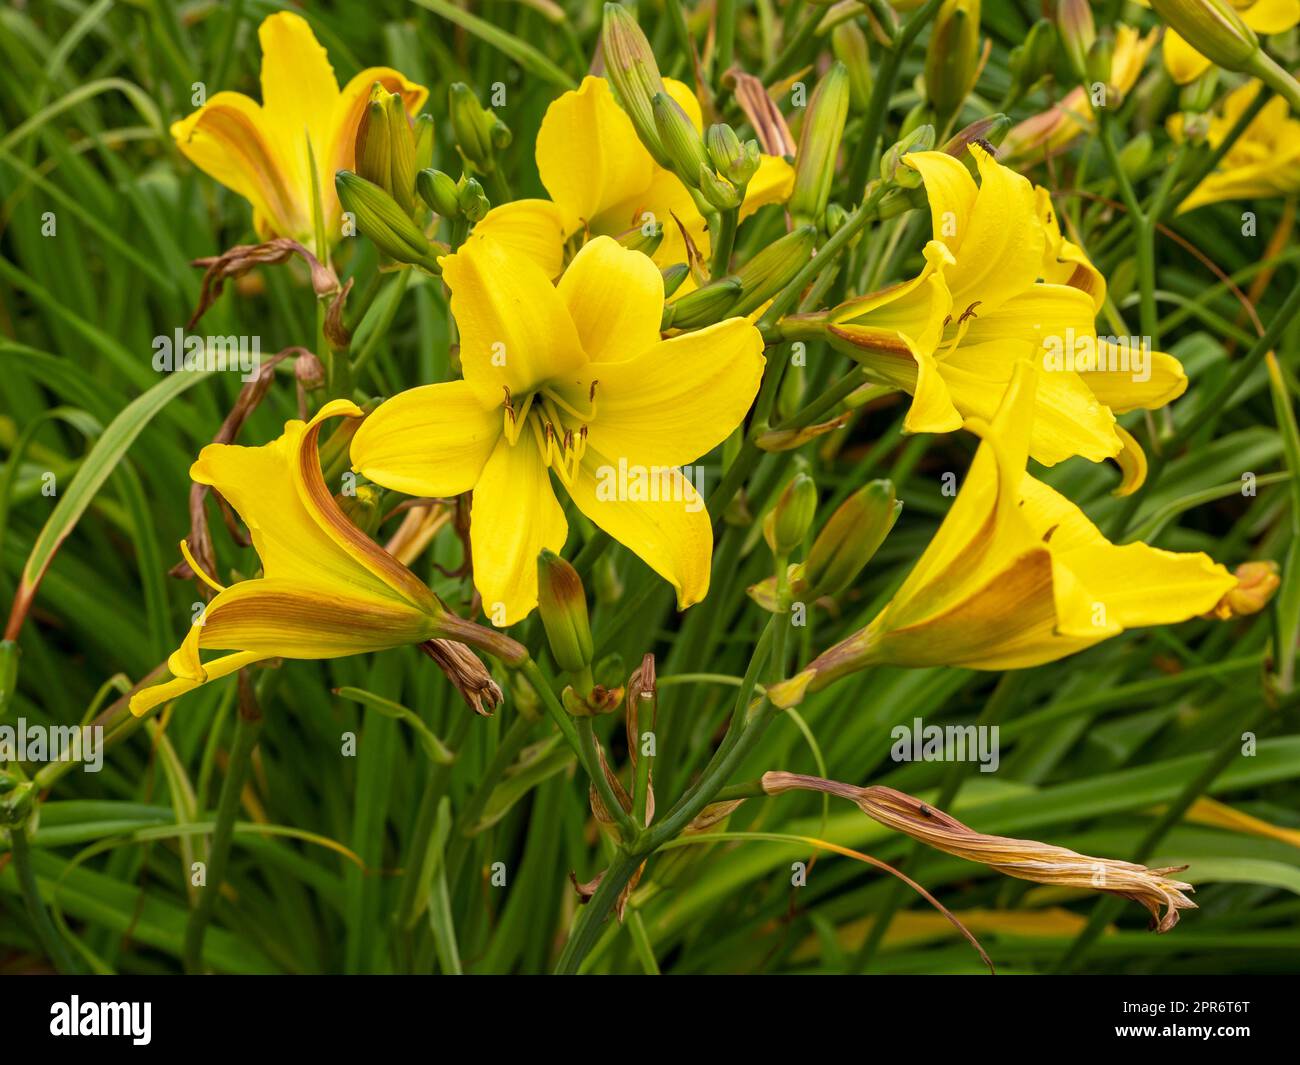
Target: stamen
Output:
[(198, 570), (582, 416)]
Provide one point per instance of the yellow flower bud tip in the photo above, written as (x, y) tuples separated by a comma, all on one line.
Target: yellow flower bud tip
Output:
[(1257, 582), (851, 537), (1213, 28), (819, 144), (562, 604), (789, 521)]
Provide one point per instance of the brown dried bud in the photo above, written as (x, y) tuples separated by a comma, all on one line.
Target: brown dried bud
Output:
[(467, 672)]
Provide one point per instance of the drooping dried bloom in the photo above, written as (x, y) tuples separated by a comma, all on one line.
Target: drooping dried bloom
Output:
[(1025, 859)]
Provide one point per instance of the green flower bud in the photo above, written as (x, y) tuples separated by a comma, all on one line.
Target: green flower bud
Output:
[(704, 306), (385, 147), (1099, 59), (473, 127), (849, 44), (680, 139), (836, 217), (790, 397), (439, 191), (562, 604), (1133, 157), (952, 57), (987, 132), (850, 537), (383, 221), (1077, 31), (735, 160), (1213, 28), (633, 73), (363, 507), (17, 803), (673, 277), (1198, 94), (720, 192), (1031, 60), (819, 145), (788, 522), (892, 171), (637, 239), (8, 673), (773, 268), (423, 142), (473, 200)]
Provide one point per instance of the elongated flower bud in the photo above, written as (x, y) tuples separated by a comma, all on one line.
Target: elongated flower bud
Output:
[(1031, 60), (479, 133), (423, 142), (773, 268), (704, 306), (735, 160), (674, 276), (1213, 28), (787, 523), (383, 221), (439, 191), (1100, 57), (1077, 31), (681, 141), (385, 147), (819, 145), (562, 604), (892, 171), (952, 58), (645, 239), (849, 44), (851, 537), (633, 72), (987, 132)]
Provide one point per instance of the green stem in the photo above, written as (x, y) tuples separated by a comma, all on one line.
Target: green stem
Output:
[(247, 730), (723, 243), (55, 947)]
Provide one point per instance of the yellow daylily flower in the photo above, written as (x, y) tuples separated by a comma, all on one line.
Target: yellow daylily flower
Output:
[(326, 589), (1059, 126), (1017, 575), (571, 378), (601, 180), (264, 151), (1264, 161), (1000, 285), (1185, 63)]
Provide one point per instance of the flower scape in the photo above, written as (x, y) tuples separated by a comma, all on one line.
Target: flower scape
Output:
[(720, 487)]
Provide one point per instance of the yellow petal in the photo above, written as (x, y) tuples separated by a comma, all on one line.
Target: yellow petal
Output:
[(299, 94), (1067, 420), (147, 698), (1136, 387), (428, 441), (536, 229), (1132, 464), (1183, 62), (664, 200), (588, 154), (284, 619), (1055, 315), (656, 513), (515, 330), (772, 183), (679, 398), (1065, 263), (514, 515), (1272, 16), (1139, 585), (615, 298), (228, 139)]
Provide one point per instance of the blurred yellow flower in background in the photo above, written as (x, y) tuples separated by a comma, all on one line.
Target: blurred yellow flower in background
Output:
[(265, 152), (1263, 161)]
